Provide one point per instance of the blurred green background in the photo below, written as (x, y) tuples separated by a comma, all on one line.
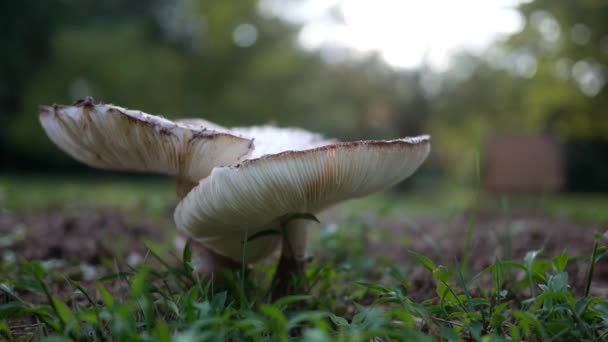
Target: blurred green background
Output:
[(244, 62)]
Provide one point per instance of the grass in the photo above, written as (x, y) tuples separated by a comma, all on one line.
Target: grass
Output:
[(154, 196), (350, 297), (139, 195), (526, 300)]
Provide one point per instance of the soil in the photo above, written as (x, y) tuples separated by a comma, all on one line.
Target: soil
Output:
[(494, 237), (86, 235), (83, 242)]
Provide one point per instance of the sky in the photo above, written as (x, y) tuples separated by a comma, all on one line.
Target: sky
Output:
[(405, 33)]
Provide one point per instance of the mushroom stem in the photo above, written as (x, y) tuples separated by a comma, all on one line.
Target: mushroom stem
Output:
[(183, 187), (210, 264), (295, 235), (290, 269)]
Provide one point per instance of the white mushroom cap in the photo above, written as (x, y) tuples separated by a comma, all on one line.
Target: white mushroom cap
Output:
[(198, 124), (257, 194), (110, 137), (270, 139)]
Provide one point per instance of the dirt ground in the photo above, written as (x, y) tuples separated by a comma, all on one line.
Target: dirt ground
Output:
[(84, 244), (91, 237), (494, 237), (86, 235)]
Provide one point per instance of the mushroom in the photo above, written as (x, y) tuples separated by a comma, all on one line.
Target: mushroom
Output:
[(290, 174), (110, 137), (228, 190)]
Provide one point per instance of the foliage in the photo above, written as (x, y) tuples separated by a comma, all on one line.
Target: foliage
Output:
[(163, 302), (179, 58), (550, 78)]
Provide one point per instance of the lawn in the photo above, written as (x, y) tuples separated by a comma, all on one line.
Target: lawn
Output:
[(92, 258)]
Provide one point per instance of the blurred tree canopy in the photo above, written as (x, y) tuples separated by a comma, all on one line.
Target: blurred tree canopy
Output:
[(184, 59), (228, 62), (550, 78)]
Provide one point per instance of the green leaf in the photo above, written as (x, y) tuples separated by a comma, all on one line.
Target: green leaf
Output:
[(449, 334), (36, 269), (550, 298), (580, 306), (89, 316), (64, 313), (187, 257), (465, 290), (107, 298), (515, 333), (262, 233), (476, 327), (496, 321), (168, 305), (446, 294), (528, 322), (83, 291), (513, 264), (5, 332), (66, 316), (498, 276), (339, 321), (285, 301), (161, 331), (558, 282), (395, 273), (540, 269), (316, 335), (139, 283), (156, 252), (296, 319), (426, 262), (601, 252), (6, 288), (468, 238), (204, 308), (441, 273), (598, 252), (375, 287), (404, 316), (501, 307), (219, 300), (276, 320), (12, 309), (560, 262)]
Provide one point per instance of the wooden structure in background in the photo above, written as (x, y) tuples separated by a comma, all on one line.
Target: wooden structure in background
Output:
[(523, 163)]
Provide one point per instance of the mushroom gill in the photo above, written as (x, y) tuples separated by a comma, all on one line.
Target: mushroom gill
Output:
[(109, 137), (234, 202)]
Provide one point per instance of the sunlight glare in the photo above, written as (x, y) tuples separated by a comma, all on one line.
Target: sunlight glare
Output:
[(409, 33)]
